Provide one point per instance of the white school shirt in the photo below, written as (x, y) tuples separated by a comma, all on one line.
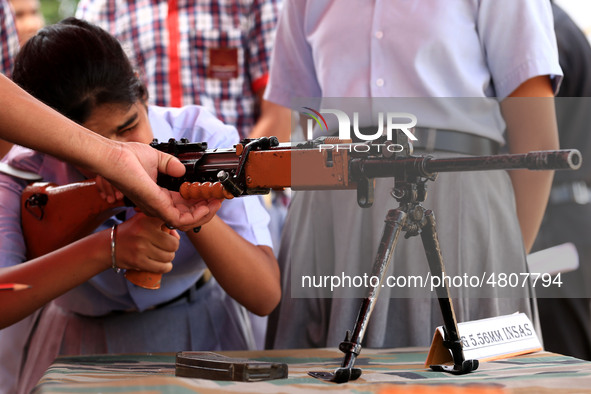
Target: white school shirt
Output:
[(475, 49)]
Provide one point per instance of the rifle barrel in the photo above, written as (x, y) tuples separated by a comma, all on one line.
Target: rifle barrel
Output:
[(426, 166)]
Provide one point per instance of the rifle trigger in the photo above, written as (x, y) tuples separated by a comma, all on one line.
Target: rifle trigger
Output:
[(36, 202)]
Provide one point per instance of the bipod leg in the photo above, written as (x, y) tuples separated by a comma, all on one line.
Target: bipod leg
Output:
[(451, 337), (351, 346)]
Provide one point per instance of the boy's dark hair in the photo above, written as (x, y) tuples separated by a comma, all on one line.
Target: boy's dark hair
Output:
[(74, 66)]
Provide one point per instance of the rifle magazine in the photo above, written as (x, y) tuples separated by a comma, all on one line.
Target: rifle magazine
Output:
[(213, 366)]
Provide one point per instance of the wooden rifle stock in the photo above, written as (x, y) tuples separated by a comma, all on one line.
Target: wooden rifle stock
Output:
[(54, 216)]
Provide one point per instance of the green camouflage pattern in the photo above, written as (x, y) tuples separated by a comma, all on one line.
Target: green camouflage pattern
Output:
[(384, 370)]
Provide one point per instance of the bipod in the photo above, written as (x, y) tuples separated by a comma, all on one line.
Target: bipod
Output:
[(413, 219)]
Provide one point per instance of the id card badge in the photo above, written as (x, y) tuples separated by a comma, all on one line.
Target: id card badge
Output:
[(223, 63)]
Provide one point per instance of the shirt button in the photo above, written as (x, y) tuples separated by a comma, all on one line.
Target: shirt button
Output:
[(379, 35), (380, 82)]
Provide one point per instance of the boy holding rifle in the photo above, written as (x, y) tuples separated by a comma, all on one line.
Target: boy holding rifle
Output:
[(81, 71)]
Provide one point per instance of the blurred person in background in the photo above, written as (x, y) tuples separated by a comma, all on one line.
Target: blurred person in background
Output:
[(27, 18), (502, 52)]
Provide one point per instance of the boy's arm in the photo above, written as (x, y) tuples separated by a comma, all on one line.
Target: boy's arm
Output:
[(131, 167), (248, 273), (139, 244)]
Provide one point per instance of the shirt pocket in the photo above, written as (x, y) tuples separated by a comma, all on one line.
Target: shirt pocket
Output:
[(218, 55)]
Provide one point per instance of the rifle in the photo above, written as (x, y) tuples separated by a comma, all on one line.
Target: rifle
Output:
[(54, 216), (260, 165)]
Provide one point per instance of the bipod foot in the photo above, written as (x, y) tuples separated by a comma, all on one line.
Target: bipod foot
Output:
[(340, 375), (464, 367), (346, 371), (460, 365)]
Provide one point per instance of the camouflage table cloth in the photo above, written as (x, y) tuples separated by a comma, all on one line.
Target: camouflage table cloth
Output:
[(384, 371)]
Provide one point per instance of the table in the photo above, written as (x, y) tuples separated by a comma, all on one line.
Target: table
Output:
[(384, 371)]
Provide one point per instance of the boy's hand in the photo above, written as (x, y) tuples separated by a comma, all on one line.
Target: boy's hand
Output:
[(142, 244), (213, 205), (133, 168)]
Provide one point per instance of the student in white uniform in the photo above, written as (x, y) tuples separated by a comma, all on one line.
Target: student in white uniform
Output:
[(488, 51)]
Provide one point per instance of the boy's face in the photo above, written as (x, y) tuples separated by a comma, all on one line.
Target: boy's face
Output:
[(121, 123)]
